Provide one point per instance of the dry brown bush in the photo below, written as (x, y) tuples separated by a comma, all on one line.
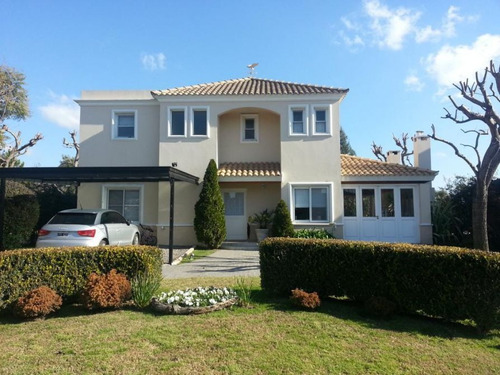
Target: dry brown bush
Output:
[(38, 303), (106, 291), (305, 300)]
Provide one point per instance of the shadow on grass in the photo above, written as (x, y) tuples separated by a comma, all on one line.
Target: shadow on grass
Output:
[(352, 311)]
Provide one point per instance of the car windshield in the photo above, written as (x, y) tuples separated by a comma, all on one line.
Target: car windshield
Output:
[(82, 218)]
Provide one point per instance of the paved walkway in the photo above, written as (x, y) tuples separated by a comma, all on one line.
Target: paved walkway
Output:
[(219, 264)]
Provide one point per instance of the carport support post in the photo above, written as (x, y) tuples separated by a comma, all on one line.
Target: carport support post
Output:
[(2, 211), (171, 224)]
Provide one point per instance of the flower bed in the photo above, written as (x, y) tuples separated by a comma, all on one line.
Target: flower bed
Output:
[(194, 301)]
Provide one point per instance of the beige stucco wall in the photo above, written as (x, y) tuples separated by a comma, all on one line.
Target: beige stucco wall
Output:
[(99, 149), (232, 149)]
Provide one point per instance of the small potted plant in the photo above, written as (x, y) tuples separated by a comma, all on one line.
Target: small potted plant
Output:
[(262, 219)]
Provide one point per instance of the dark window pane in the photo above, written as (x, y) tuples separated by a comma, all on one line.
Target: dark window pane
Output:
[(250, 129), (301, 197), (125, 126), (349, 202), (74, 218), (321, 115), (125, 132), (407, 206), (177, 123), (368, 200), (200, 122), (319, 204), (387, 196), (298, 122)]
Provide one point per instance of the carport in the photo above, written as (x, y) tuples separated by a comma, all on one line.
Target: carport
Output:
[(98, 174)]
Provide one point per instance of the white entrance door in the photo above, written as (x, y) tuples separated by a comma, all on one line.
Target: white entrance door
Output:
[(236, 219), (369, 215)]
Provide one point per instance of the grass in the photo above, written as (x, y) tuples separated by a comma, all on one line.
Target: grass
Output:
[(271, 338), (197, 254)]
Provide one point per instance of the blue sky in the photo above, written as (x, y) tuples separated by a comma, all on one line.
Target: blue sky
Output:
[(398, 58)]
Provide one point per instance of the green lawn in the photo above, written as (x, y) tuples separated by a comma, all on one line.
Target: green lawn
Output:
[(271, 338)]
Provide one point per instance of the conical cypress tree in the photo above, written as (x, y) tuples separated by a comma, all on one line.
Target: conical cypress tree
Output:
[(209, 220), (282, 224)]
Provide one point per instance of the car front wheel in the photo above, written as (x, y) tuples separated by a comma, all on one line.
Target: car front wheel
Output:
[(103, 243)]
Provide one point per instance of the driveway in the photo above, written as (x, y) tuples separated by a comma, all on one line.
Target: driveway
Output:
[(219, 264)]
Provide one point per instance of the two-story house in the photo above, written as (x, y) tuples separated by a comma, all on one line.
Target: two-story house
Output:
[(271, 140)]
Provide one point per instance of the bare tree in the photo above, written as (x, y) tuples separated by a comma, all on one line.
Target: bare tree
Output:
[(482, 94), (13, 106), (73, 144), (402, 143)]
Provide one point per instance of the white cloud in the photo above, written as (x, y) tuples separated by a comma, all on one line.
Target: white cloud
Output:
[(390, 27), (62, 111), (452, 64), (154, 61), (447, 29), (413, 83)]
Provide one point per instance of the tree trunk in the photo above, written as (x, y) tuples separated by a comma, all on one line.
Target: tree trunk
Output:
[(480, 216)]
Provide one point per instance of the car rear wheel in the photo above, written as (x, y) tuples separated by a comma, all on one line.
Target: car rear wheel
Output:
[(103, 242), (135, 241)]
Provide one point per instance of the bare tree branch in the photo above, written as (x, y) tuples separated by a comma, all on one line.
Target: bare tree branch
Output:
[(11, 153), (402, 144), (378, 152), (74, 144)]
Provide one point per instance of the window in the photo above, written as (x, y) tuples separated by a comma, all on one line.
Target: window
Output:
[(199, 122), (368, 200), (407, 207), (387, 202), (249, 128), (321, 121), (311, 204), (298, 120), (126, 201), (124, 125), (350, 202), (177, 122)]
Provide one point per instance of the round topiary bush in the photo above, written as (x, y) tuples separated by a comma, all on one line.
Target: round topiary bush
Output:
[(282, 223), (21, 215)]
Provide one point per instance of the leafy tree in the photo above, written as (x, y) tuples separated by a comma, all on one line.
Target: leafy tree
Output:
[(481, 94), (282, 223), (345, 146), (209, 220), (13, 106), (67, 162)]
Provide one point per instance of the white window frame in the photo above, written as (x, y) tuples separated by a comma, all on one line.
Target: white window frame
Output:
[(244, 117), (177, 109), (114, 124), (191, 122), (327, 110), (304, 108), (309, 185), (107, 187)]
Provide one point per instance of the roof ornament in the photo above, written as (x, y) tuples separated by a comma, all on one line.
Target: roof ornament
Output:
[(251, 72)]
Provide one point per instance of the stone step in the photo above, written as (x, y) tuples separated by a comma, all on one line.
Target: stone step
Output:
[(240, 245)]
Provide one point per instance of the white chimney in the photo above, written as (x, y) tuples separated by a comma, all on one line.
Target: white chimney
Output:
[(421, 150), (394, 157)]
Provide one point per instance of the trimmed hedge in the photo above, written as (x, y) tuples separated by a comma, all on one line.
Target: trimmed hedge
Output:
[(66, 270), (449, 282)]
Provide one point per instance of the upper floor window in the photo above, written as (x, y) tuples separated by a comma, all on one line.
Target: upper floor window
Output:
[(124, 125), (249, 128), (321, 123), (177, 122), (298, 120), (199, 122)]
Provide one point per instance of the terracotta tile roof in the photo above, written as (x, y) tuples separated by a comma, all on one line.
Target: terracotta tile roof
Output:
[(266, 169), (249, 86), (356, 166)]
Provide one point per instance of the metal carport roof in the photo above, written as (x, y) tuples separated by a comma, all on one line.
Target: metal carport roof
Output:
[(97, 174)]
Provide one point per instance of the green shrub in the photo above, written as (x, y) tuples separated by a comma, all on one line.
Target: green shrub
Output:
[(313, 233), (66, 269), (21, 215), (282, 223), (209, 220), (144, 287), (452, 283)]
